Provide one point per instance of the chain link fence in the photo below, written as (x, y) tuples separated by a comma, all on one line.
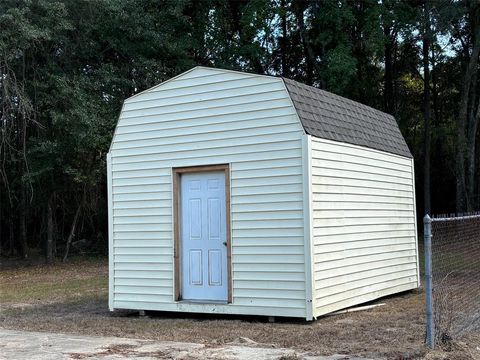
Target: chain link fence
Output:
[(452, 279)]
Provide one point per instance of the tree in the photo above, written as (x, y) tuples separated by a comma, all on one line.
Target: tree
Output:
[(426, 40), (66, 67), (467, 123)]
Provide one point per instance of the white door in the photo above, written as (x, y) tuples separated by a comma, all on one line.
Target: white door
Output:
[(203, 236)]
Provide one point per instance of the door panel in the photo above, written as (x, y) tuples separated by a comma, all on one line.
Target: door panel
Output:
[(214, 219), (195, 206), (214, 268), (203, 236), (195, 270)]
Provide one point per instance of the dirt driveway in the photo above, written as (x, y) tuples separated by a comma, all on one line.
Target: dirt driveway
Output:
[(21, 345), (72, 299)]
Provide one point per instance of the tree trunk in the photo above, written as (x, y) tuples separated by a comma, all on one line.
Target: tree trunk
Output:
[(1, 225), (472, 126), (50, 239), (426, 108), (388, 97), (436, 110), (477, 185), (307, 50), (284, 42), (23, 226), (471, 151), (72, 232), (462, 201), (11, 234)]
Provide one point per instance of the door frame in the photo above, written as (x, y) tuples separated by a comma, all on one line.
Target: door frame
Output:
[(176, 174)]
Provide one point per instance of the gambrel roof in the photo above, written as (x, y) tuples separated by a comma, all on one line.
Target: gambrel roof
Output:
[(329, 116)]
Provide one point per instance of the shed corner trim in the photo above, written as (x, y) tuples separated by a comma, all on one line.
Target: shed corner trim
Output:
[(308, 221), (110, 233), (415, 221)]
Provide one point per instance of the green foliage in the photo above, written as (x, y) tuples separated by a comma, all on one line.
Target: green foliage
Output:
[(340, 68)]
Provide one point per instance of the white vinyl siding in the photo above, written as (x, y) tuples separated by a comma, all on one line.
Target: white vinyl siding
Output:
[(207, 117), (364, 230)]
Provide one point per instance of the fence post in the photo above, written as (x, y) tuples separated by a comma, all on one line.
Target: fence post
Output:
[(427, 237)]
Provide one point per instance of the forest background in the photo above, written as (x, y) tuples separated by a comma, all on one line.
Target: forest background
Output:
[(67, 66)]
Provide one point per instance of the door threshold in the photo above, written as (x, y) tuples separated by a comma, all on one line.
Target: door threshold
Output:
[(204, 302)]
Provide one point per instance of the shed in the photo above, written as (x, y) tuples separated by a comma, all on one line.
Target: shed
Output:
[(238, 193)]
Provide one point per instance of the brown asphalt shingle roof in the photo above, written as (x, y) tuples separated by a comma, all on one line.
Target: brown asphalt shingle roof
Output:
[(329, 116)]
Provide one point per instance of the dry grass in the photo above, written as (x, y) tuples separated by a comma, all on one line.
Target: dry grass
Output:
[(42, 284), (72, 298)]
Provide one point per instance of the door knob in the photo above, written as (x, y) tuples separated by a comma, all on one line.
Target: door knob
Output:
[(225, 243)]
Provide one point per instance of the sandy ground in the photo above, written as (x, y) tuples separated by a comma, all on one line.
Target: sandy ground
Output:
[(72, 299)]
